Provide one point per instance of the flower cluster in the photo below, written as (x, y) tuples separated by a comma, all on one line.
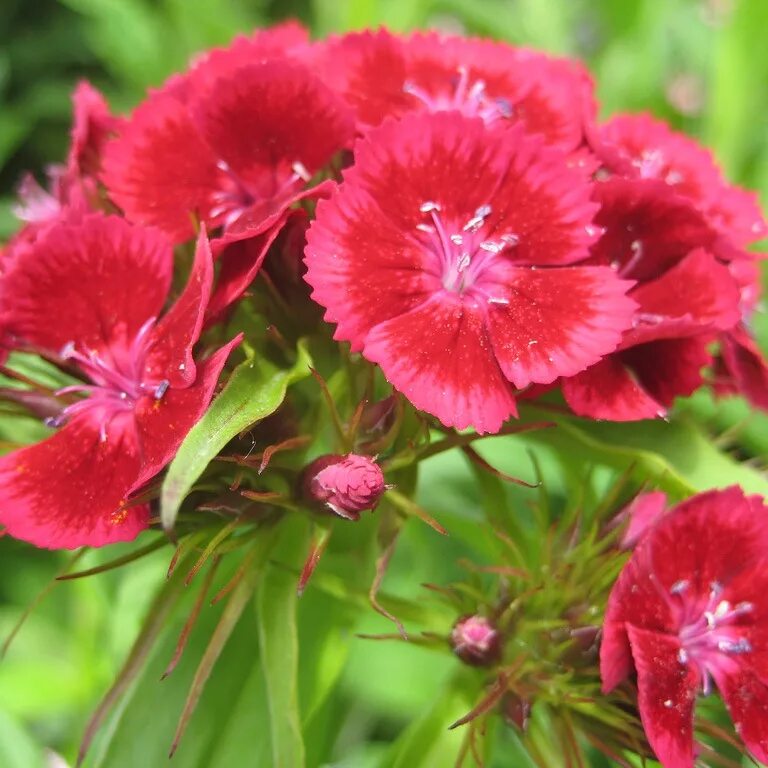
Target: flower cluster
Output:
[(477, 236)]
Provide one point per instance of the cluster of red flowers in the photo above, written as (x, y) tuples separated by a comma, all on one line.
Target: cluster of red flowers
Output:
[(488, 238)]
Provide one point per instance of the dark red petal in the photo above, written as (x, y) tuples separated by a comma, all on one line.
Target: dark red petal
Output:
[(270, 116), (555, 322), (439, 356), (91, 128), (615, 655), (608, 390), (94, 283), (159, 170), (241, 261), (170, 354), (163, 424), (746, 365), (669, 368), (648, 228), (698, 289), (70, 490), (666, 695)]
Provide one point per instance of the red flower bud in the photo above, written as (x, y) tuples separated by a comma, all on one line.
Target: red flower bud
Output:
[(345, 484), (476, 641)]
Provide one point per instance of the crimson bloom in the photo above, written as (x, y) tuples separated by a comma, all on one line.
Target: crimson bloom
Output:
[(685, 294), (444, 257), (381, 75), (691, 607), (639, 146), (90, 294), (234, 144)]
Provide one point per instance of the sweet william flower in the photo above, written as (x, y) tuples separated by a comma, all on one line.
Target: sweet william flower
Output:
[(381, 74), (445, 257), (689, 610), (347, 485), (234, 144), (685, 293), (91, 294), (640, 146)]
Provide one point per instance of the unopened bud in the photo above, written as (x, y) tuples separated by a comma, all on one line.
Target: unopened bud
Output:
[(516, 710), (476, 641), (346, 485)]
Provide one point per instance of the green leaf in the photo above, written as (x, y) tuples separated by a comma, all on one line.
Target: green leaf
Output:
[(17, 749), (676, 456), (278, 641), (256, 389)]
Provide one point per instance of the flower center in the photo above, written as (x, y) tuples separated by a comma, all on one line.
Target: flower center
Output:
[(236, 195), (709, 636), (116, 384), (468, 97), (462, 253)]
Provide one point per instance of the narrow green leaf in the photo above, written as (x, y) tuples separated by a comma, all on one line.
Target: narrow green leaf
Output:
[(234, 608), (677, 456), (276, 607), (255, 390)]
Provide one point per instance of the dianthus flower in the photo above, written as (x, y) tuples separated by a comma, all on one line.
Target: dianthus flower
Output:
[(234, 143), (89, 294), (639, 146), (685, 294), (689, 609), (444, 257), (381, 75)]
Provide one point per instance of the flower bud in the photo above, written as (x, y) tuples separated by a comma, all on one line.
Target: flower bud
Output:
[(476, 641), (345, 484)]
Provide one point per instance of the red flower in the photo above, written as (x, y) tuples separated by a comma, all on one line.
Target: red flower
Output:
[(685, 296), (691, 607), (382, 75), (429, 259), (639, 146), (90, 294), (232, 144)]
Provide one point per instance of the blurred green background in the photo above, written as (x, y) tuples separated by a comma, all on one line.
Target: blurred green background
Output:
[(702, 64)]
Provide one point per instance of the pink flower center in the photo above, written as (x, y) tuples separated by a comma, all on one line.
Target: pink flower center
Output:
[(651, 164), (467, 97), (710, 636), (117, 384), (236, 194), (462, 254)]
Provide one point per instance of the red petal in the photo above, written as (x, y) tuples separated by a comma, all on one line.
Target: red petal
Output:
[(163, 424), (698, 289), (711, 537), (747, 699), (556, 322), (91, 127), (648, 228), (644, 512), (170, 354), (608, 390), (666, 695), (270, 116), (159, 170), (94, 283), (439, 356), (669, 368), (746, 365), (69, 491), (648, 148), (241, 261)]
